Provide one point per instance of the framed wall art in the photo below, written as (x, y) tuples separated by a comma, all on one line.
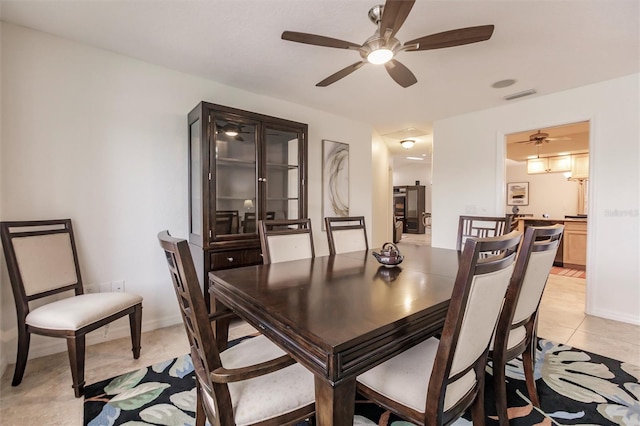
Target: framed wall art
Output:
[(518, 194), (335, 179)]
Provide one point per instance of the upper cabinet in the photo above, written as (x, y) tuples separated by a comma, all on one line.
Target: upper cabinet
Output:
[(243, 167), (560, 163), (580, 166)]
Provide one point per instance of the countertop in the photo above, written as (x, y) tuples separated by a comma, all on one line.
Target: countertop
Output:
[(548, 219)]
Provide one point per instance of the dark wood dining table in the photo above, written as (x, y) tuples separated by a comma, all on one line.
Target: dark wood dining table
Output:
[(341, 315)]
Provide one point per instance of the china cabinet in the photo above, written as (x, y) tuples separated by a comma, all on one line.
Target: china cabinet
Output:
[(243, 167), (409, 204)]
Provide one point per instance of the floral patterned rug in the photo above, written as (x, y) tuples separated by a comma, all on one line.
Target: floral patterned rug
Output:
[(575, 388)]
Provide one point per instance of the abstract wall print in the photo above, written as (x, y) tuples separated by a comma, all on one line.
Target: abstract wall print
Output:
[(518, 194), (335, 179)]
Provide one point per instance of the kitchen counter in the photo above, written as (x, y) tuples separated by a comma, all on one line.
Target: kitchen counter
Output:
[(572, 252)]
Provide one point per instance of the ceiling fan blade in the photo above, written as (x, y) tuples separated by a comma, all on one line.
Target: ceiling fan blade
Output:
[(340, 74), (394, 14), (318, 40), (400, 73), (452, 38)]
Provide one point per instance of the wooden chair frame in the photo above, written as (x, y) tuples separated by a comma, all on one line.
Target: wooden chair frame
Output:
[(337, 224), (471, 265), (281, 227), (211, 376), (75, 338), (536, 240), (468, 227)]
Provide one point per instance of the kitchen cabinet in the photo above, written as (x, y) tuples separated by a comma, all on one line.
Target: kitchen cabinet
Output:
[(243, 167), (559, 163), (580, 166), (575, 245)]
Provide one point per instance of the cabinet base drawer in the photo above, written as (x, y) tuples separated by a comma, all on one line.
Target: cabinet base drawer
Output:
[(234, 258)]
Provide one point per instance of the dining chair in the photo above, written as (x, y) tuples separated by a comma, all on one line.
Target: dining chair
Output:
[(286, 239), (516, 330), (481, 227), (435, 381), (249, 223), (253, 382), (227, 222), (346, 234), (42, 261)]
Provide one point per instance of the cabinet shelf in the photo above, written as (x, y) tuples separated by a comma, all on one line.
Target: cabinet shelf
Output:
[(234, 162), (282, 166)]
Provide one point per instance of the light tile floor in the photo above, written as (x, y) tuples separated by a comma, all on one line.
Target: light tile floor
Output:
[(45, 396)]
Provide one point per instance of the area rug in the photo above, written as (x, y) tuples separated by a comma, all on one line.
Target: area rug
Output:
[(575, 388), (568, 272)]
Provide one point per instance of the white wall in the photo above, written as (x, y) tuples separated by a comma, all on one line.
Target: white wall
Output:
[(469, 177), (382, 225), (102, 138), (549, 193)]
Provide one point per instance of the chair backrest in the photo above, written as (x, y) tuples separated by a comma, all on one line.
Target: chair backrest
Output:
[(476, 301), (249, 224), (286, 239), (481, 227), (204, 353), (535, 259), (346, 234), (227, 222), (41, 259)]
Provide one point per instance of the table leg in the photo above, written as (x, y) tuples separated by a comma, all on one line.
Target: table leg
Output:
[(335, 404), (221, 326)]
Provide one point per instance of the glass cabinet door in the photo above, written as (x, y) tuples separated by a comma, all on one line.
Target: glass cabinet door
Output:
[(195, 179), (235, 183), (282, 173)]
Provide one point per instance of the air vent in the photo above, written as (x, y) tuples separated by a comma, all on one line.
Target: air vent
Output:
[(520, 94)]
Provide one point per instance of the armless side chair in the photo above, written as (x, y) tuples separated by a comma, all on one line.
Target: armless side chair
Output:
[(42, 261), (516, 331), (346, 234), (252, 383), (286, 239), (481, 227), (434, 382)]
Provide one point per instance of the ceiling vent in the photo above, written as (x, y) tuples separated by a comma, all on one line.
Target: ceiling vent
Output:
[(520, 94)]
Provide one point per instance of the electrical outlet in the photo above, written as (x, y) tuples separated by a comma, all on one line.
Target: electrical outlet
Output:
[(118, 286), (92, 288)]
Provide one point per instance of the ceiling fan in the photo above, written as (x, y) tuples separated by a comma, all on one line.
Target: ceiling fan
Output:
[(382, 46), (540, 137), (231, 129)]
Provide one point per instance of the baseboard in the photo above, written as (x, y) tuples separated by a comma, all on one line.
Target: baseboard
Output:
[(43, 346), (615, 316)]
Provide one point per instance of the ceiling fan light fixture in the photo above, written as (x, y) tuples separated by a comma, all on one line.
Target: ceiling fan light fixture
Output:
[(380, 56), (407, 143), (231, 133)]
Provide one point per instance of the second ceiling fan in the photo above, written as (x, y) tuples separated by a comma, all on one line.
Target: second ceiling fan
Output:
[(382, 46)]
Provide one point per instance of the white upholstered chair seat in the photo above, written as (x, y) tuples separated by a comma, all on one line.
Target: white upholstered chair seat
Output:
[(266, 396), (76, 312), (405, 377)]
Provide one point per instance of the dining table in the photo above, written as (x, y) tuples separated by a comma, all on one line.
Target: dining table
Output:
[(341, 315)]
